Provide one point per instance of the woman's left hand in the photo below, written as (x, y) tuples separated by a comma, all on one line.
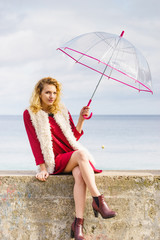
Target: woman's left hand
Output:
[(42, 176), (84, 112)]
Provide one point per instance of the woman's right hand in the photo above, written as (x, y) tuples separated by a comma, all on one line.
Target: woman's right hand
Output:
[(42, 176)]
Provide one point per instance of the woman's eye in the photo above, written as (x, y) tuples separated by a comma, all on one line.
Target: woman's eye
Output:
[(50, 92)]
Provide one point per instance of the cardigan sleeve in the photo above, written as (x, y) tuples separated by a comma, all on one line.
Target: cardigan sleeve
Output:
[(75, 132), (33, 140)]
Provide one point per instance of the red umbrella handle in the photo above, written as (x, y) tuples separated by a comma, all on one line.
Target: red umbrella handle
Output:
[(91, 112)]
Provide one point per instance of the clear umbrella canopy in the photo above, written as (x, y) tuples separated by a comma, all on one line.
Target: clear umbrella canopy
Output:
[(112, 56)]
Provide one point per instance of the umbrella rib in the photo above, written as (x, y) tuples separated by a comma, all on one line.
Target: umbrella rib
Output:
[(106, 68), (84, 54), (113, 63), (102, 39), (111, 47)]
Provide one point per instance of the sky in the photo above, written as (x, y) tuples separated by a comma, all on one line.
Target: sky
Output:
[(31, 31)]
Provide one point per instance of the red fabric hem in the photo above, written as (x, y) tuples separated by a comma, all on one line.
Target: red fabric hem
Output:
[(62, 160)]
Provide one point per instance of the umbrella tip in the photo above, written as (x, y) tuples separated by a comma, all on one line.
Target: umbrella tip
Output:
[(122, 34)]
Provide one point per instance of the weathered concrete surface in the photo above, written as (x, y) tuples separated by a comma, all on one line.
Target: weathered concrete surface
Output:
[(33, 210)]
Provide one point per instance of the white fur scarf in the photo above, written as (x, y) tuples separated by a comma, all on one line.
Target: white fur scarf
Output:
[(41, 124)]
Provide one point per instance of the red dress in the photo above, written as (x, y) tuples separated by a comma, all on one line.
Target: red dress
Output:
[(62, 149)]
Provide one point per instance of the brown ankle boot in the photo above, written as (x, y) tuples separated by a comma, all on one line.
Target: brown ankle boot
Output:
[(77, 229), (103, 209)]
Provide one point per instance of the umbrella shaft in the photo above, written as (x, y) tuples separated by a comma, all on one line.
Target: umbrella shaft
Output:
[(106, 67), (98, 82)]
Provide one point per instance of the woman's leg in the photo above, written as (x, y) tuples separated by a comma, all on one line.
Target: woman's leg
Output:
[(99, 205), (79, 158), (79, 192)]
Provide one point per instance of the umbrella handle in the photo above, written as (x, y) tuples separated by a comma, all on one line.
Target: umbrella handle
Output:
[(91, 112), (88, 117)]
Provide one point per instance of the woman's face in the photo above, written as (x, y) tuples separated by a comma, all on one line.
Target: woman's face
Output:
[(48, 95)]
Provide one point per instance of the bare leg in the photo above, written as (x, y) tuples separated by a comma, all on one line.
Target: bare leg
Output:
[(79, 192), (79, 158)]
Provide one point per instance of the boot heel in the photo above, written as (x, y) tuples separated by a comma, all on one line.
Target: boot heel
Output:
[(95, 212), (72, 234)]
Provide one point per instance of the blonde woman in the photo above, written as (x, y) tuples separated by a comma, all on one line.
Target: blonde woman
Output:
[(54, 142)]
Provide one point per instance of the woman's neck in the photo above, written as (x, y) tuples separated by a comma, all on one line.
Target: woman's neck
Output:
[(45, 108)]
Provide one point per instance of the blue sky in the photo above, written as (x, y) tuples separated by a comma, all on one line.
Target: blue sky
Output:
[(31, 31)]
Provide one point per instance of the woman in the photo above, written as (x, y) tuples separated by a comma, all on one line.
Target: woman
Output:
[(54, 141)]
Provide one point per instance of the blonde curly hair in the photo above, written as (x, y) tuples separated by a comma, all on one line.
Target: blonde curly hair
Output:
[(35, 101)]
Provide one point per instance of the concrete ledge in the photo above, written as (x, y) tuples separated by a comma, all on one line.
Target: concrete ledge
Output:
[(33, 210)]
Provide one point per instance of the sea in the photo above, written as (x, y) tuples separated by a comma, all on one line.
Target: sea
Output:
[(117, 142)]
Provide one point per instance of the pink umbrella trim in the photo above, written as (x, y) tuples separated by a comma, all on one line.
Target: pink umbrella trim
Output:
[(149, 90)]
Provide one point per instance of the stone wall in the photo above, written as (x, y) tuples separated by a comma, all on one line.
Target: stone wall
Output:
[(33, 210)]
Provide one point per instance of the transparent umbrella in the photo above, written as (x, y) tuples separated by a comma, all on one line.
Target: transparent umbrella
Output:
[(113, 57)]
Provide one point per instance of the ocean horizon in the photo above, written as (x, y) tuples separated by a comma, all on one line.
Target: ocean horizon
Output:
[(117, 142)]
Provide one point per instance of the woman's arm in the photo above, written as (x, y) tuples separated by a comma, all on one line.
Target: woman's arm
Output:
[(76, 133), (84, 111), (33, 140), (35, 146)]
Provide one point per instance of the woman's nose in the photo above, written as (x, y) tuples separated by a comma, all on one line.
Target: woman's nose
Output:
[(51, 95)]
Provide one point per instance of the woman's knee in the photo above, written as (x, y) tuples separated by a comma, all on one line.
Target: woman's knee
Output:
[(81, 155)]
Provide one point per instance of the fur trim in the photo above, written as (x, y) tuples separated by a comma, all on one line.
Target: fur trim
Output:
[(62, 119), (41, 124)]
